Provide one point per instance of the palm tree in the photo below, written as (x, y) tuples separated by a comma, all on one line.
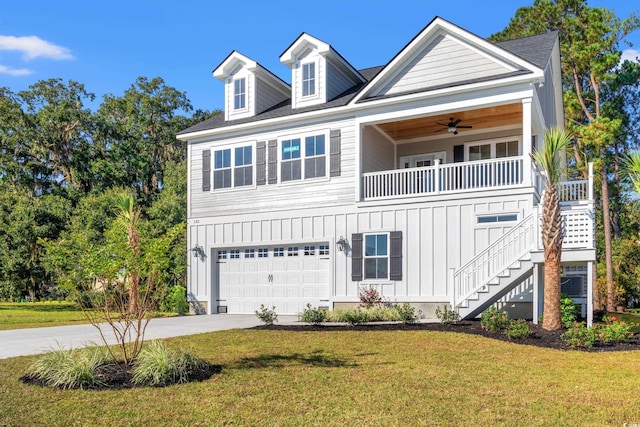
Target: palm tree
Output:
[(556, 141), (129, 218)]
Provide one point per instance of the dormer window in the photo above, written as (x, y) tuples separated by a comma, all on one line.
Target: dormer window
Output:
[(239, 94), (309, 79)]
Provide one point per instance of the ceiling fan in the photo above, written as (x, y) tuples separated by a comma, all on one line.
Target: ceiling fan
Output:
[(452, 126)]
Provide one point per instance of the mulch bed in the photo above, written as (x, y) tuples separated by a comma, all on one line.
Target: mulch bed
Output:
[(118, 376), (540, 337)]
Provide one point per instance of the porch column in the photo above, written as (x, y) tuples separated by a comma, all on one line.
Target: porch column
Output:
[(590, 285), (358, 161), (526, 141)]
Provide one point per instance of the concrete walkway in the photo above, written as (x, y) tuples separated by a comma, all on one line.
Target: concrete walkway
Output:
[(23, 342)]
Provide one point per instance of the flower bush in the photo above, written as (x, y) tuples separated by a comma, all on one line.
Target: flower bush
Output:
[(494, 319), (312, 315), (447, 315), (579, 336), (369, 297), (518, 329), (613, 330), (267, 315)]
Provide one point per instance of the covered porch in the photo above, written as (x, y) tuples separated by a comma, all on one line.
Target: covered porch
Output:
[(453, 152)]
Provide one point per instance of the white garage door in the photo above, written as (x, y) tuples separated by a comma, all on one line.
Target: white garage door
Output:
[(287, 277)]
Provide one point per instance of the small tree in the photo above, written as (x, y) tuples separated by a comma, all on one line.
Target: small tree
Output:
[(555, 142), (115, 282)]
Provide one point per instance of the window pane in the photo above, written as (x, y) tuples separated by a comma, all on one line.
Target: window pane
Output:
[(381, 244), (291, 149), (222, 178), (381, 268), (370, 245), (370, 268), (319, 145), (310, 146), (501, 150), (320, 166), (222, 159)]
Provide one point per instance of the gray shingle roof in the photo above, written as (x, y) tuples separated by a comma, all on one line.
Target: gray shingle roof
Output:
[(534, 49)]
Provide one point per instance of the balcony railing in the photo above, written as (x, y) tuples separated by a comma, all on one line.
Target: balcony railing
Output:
[(449, 178)]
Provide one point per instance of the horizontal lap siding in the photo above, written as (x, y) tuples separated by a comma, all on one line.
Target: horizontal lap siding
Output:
[(378, 151), (266, 96), (337, 82), (444, 61), (337, 190)]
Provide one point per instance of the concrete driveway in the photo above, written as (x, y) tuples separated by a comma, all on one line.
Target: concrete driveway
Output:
[(23, 342)]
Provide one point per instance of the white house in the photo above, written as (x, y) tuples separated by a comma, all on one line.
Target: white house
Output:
[(414, 177)]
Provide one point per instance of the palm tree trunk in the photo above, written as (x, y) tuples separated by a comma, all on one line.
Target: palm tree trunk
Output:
[(606, 224), (552, 243)]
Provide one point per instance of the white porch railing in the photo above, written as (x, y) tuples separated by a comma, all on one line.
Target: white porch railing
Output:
[(454, 177), (485, 266), (578, 226)]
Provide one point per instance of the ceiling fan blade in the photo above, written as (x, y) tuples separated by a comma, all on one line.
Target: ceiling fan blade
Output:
[(440, 130), (454, 123), (464, 127), (442, 124)]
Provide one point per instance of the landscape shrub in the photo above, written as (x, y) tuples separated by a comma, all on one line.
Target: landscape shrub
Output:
[(447, 315), (158, 365), (67, 369), (267, 315), (518, 329), (613, 330), (408, 314), (569, 311), (176, 301), (579, 336), (369, 297), (313, 316), (494, 319)]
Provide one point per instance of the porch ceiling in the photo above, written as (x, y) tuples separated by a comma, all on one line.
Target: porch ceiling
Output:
[(482, 118)]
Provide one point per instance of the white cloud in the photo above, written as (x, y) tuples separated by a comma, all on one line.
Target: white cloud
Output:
[(630, 54), (14, 71), (34, 47)]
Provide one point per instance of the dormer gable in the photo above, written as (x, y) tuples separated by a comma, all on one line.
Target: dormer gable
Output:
[(249, 88), (318, 72), (442, 56)]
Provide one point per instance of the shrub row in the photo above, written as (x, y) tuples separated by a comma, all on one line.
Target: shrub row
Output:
[(405, 313)]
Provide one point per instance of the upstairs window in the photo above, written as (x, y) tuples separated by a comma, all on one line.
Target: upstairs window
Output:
[(239, 94), (290, 168), (242, 174), (243, 171), (315, 160), (309, 79), (222, 169)]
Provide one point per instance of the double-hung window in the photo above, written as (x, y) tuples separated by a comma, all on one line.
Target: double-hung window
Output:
[(239, 94), (222, 168), (291, 166), (243, 170), (309, 79), (314, 157), (376, 256), (242, 160)]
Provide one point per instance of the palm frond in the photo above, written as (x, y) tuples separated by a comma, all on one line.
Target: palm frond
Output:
[(556, 140)]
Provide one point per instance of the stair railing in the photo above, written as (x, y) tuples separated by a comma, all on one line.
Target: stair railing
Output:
[(493, 260)]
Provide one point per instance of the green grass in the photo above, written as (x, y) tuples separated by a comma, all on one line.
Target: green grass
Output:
[(352, 378), (19, 315)]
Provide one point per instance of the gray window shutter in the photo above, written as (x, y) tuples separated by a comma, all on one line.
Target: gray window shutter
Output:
[(395, 270), (273, 161), (261, 163), (356, 257), (334, 152), (206, 170)]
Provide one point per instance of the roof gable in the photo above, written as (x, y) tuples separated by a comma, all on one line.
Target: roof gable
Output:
[(444, 55)]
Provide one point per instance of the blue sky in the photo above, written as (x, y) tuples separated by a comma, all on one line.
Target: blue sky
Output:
[(107, 45)]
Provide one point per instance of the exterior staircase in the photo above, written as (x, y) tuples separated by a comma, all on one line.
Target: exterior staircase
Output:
[(495, 271)]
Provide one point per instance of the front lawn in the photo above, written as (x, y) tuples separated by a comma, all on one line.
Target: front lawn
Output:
[(272, 377), (17, 315)]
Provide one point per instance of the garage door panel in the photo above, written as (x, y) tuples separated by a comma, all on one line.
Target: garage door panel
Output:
[(286, 282)]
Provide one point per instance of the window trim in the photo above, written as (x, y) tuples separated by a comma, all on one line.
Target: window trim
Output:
[(497, 222), (303, 155), (365, 257), (233, 167), (244, 94), (315, 80)]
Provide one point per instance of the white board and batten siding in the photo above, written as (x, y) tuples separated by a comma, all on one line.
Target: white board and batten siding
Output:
[(437, 236), (324, 191), (443, 61)]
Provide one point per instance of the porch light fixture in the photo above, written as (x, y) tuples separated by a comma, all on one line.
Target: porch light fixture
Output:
[(342, 242), (198, 251)]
